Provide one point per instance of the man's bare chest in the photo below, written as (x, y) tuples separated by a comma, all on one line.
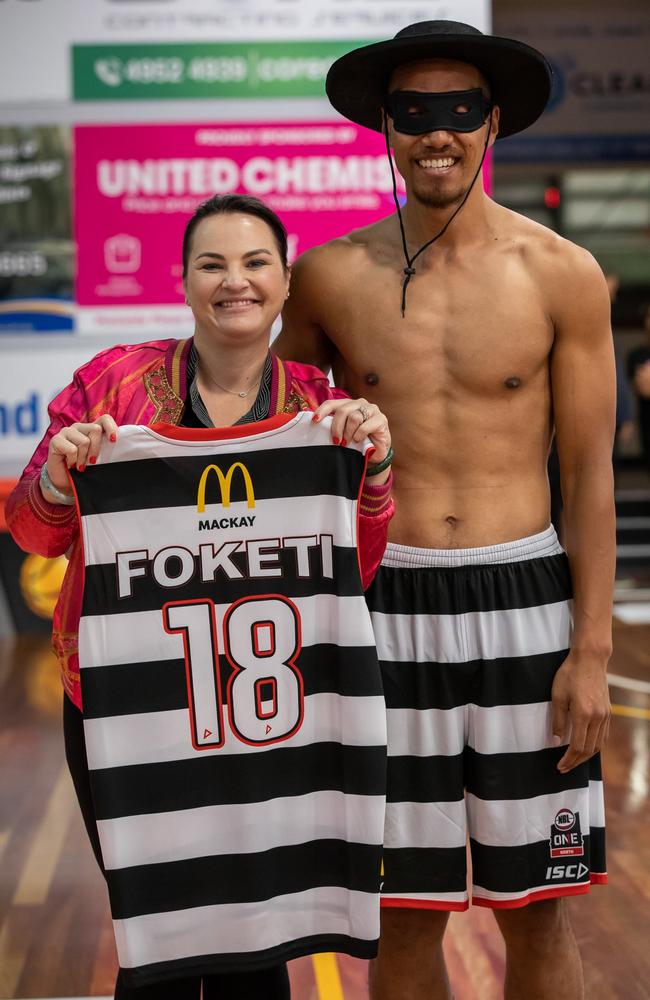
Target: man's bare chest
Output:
[(476, 337)]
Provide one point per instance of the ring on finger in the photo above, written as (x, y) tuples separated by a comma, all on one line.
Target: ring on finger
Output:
[(364, 411)]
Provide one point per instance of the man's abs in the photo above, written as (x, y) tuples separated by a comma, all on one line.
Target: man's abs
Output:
[(448, 517), (471, 443)]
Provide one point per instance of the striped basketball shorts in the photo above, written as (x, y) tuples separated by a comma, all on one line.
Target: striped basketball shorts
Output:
[(469, 642)]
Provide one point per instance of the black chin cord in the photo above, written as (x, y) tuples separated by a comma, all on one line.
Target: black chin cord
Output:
[(409, 270)]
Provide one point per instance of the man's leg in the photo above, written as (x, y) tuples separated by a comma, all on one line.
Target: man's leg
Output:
[(410, 964), (535, 835), (542, 957), (427, 684)]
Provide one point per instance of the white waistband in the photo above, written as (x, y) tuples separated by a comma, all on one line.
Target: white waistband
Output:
[(533, 547)]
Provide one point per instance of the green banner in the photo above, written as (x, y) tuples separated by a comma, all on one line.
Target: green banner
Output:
[(170, 71)]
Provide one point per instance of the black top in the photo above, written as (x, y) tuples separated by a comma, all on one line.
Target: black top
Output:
[(195, 413)]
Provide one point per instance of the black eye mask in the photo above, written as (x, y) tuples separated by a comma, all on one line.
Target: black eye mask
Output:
[(415, 112)]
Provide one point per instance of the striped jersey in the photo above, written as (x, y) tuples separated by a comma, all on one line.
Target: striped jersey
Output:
[(233, 709)]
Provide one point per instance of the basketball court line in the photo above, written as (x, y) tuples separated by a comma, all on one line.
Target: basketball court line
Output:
[(328, 981), (633, 612), (628, 683), (631, 713)]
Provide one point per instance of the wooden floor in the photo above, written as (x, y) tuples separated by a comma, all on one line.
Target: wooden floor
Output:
[(55, 935)]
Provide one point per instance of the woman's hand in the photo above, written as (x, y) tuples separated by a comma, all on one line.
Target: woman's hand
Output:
[(76, 446), (354, 420)]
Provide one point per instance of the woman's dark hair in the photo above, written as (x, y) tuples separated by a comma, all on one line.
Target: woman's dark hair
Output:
[(235, 204)]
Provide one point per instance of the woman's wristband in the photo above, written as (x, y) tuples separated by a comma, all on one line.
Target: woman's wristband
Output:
[(59, 495), (374, 468)]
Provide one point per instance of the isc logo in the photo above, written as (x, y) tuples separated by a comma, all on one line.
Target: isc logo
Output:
[(566, 872)]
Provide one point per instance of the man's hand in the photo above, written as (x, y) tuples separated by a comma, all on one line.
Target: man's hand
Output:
[(580, 699)]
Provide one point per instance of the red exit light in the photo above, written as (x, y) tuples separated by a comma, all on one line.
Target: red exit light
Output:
[(552, 197)]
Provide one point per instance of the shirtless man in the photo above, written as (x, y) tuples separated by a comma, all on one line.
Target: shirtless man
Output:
[(497, 705)]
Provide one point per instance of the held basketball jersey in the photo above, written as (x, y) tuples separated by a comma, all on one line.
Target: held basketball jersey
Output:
[(233, 710)]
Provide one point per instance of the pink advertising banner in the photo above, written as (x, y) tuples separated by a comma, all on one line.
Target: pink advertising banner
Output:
[(135, 187)]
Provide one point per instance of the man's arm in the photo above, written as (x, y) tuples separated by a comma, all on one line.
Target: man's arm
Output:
[(302, 338), (583, 384)]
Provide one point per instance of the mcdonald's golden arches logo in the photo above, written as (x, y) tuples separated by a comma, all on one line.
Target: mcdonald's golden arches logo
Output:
[(225, 484)]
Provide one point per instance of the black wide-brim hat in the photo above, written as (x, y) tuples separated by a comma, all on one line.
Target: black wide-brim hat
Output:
[(520, 78)]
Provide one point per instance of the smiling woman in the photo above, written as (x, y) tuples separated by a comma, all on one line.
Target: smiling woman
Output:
[(236, 278)]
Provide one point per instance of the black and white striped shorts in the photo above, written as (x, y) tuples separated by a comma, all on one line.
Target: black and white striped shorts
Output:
[(469, 642)]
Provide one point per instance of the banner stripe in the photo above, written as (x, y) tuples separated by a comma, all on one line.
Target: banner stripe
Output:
[(243, 878), (160, 686), (507, 823), (182, 525), (448, 590), (325, 619), (171, 480), (214, 780), (227, 829), (493, 823), (343, 918), (473, 636), (429, 870), (488, 776), (101, 589), (498, 729), (162, 737), (501, 681)]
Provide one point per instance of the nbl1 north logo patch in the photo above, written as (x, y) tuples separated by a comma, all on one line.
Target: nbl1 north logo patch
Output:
[(566, 837)]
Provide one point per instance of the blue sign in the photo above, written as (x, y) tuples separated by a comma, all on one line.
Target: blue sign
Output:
[(36, 316), (572, 148)]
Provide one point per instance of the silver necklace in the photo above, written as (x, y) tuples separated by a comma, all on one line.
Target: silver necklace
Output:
[(235, 392)]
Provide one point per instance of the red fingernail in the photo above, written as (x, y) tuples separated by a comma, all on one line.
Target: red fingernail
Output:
[(81, 468), (92, 459), (113, 438), (315, 418), (343, 442), (336, 440)]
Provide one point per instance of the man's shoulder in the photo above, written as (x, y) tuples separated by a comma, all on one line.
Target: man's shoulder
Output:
[(544, 245), (351, 249), (549, 256)]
